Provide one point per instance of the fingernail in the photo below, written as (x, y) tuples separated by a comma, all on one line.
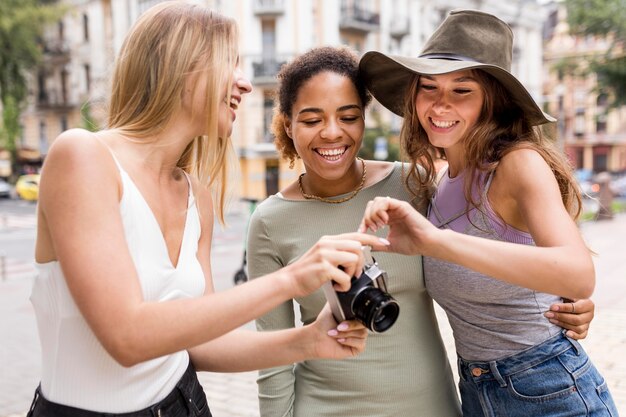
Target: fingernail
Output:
[(549, 314), (553, 321), (343, 326), (384, 241), (333, 332), (341, 340), (569, 334), (554, 308)]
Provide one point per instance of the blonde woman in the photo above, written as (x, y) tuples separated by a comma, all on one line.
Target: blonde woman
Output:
[(124, 296)]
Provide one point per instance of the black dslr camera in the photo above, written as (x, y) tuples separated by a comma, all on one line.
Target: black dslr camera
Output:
[(367, 299)]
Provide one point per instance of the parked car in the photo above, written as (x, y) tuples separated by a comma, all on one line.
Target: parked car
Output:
[(5, 189), (27, 187)]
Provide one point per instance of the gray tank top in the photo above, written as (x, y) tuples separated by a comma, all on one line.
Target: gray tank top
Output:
[(490, 319)]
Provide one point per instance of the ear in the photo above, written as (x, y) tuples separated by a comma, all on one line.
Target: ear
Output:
[(287, 126)]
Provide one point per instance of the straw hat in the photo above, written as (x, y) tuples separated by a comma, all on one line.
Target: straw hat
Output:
[(467, 39)]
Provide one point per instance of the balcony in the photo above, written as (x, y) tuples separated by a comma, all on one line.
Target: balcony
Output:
[(268, 8), (399, 27), (265, 70), (53, 100), (354, 18), (56, 52)]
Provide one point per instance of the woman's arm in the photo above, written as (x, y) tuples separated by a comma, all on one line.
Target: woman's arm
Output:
[(83, 216), (560, 263), (242, 350)]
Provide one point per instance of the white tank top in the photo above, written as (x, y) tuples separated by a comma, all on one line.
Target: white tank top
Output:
[(76, 370)]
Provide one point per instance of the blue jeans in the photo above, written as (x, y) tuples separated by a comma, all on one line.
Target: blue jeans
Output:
[(554, 378), (187, 399)]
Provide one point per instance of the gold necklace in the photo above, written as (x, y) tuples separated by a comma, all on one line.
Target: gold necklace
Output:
[(341, 200)]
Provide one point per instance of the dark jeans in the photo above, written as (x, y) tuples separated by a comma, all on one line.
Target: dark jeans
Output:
[(187, 399)]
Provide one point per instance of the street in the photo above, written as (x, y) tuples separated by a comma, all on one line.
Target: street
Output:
[(234, 395)]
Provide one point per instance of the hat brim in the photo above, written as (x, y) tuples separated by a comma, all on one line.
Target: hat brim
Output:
[(388, 78)]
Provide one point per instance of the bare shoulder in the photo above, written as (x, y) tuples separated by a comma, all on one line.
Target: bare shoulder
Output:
[(522, 173), (75, 146), (522, 165), (78, 163)]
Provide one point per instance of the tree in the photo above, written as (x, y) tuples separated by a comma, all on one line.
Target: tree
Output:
[(22, 23), (370, 136), (604, 18)]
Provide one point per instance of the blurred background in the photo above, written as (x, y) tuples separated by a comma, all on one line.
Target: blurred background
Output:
[(56, 59)]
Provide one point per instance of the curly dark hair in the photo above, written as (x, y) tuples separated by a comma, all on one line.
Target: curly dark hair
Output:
[(292, 76)]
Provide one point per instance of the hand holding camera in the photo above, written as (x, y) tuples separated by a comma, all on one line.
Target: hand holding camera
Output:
[(367, 299), (319, 264)]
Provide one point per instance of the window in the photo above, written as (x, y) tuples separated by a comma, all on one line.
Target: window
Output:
[(268, 106), (579, 122), (63, 123), (64, 86), (43, 135), (85, 27), (87, 68), (268, 28)]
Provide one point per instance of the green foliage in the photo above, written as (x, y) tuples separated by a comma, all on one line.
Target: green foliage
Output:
[(89, 123), (369, 140), (369, 145), (567, 66), (21, 29), (597, 17), (604, 18), (22, 23), (10, 128)]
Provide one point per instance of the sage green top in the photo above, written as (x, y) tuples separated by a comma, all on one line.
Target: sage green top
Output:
[(403, 372)]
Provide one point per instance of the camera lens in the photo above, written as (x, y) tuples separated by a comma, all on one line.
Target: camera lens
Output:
[(377, 310)]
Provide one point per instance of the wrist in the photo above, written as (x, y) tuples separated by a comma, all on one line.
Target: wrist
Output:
[(306, 342), (438, 241), (284, 283)]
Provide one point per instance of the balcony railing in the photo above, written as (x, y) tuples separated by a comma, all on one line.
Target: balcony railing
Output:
[(56, 51), (356, 18), (265, 69), (399, 27), (52, 99), (268, 7)]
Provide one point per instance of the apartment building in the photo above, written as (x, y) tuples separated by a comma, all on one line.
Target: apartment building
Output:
[(592, 134), (72, 83)]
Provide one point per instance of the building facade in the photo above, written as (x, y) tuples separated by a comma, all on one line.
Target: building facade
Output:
[(592, 134), (71, 86)]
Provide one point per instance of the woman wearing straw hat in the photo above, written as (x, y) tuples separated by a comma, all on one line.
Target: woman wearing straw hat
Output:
[(501, 237)]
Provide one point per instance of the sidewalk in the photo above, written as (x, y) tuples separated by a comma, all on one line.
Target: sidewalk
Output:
[(235, 395)]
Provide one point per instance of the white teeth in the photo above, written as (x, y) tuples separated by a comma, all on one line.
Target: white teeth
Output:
[(331, 152), (234, 103), (442, 123)]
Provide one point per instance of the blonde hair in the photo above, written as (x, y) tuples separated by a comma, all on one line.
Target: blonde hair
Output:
[(501, 128), (169, 43)]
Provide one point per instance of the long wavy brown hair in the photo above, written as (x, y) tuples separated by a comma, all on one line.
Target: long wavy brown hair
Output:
[(169, 43), (501, 128)]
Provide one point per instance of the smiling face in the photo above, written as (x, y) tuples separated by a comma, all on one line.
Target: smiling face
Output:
[(326, 125), (229, 105), (448, 107)]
